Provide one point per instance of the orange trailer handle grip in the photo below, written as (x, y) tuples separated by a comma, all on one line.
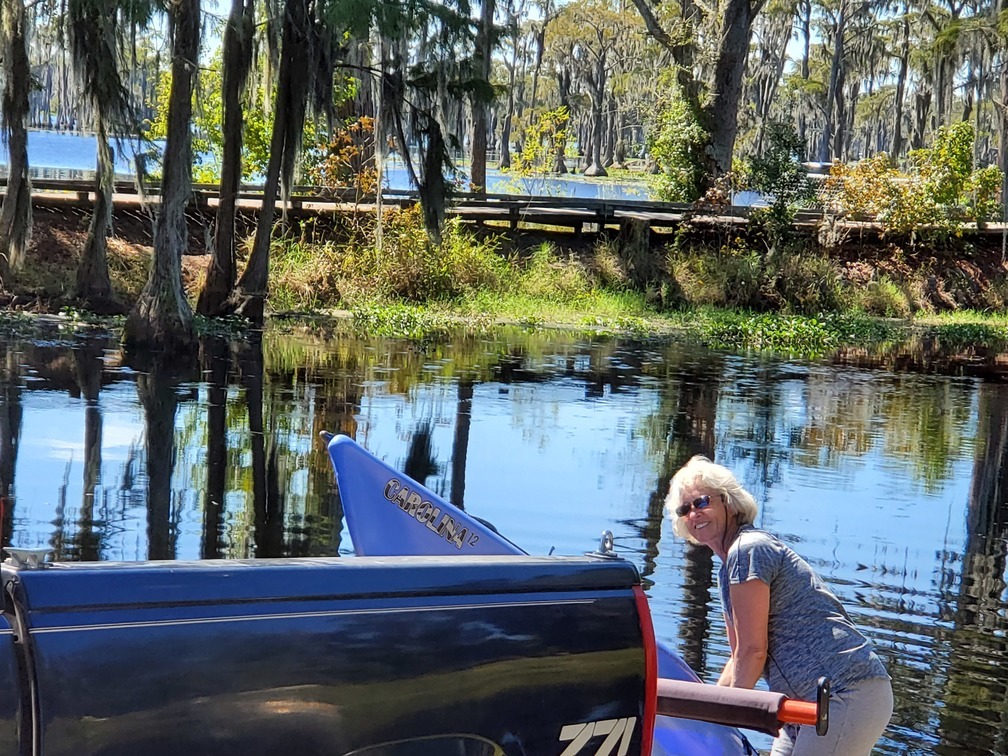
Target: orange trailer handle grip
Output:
[(808, 712)]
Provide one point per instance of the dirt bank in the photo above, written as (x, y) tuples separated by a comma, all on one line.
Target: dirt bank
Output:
[(959, 272)]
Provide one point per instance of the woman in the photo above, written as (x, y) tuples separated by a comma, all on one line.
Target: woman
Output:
[(783, 622)]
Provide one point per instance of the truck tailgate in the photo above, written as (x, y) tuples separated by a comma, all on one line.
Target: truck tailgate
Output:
[(394, 656)]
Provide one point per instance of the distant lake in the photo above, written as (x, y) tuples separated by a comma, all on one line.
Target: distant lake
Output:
[(66, 155)]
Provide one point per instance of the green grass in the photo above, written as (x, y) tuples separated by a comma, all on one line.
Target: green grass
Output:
[(966, 329), (799, 335), (732, 298)]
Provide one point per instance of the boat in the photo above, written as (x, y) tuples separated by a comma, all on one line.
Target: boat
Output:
[(389, 514)]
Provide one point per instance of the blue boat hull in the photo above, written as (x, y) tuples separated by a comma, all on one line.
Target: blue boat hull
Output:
[(389, 514)]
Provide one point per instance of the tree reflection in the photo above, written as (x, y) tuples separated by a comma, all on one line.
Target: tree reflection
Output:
[(460, 444), (267, 501), (10, 431), (215, 364), (86, 542), (682, 427), (156, 390), (975, 714), (420, 462)]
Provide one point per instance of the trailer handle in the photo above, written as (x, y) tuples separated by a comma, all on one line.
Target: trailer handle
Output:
[(759, 710)]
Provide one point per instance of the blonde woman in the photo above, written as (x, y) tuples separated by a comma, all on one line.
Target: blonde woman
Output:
[(783, 623)]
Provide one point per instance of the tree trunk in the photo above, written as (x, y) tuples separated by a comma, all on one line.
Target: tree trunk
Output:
[(94, 289), (237, 60), (835, 85), (596, 89), (481, 62), (722, 113), (896, 149), (1002, 119), (560, 145), (505, 156), (540, 43), (16, 212), (922, 107), (162, 317), (249, 296)]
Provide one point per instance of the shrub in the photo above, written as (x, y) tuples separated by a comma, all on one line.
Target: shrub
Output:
[(809, 284), (984, 190), (547, 277), (883, 297), (677, 142), (730, 278), (940, 191), (608, 267), (406, 268), (778, 172)]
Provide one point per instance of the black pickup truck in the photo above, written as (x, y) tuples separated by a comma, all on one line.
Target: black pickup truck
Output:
[(383, 655)]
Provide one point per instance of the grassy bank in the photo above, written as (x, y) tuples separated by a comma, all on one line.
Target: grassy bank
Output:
[(731, 295), (732, 292)]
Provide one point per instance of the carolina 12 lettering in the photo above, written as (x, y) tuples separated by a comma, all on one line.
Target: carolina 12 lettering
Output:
[(444, 525)]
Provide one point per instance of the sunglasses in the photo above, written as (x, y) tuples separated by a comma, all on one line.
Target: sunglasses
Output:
[(700, 502)]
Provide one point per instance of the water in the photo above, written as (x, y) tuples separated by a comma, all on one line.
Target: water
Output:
[(891, 484), (65, 155)]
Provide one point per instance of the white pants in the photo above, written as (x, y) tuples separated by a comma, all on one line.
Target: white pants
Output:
[(857, 718)]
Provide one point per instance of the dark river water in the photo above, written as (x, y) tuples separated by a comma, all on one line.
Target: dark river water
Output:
[(892, 484)]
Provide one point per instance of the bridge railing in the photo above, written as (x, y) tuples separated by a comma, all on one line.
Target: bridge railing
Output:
[(514, 209)]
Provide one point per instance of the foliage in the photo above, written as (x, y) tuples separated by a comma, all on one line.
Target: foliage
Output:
[(676, 141), (545, 276), (731, 278), (944, 168), (806, 336), (967, 335), (545, 138), (883, 297), (984, 189), (208, 119), (808, 283), (343, 162), (737, 276), (940, 192), (400, 321), (407, 267), (778, 172)]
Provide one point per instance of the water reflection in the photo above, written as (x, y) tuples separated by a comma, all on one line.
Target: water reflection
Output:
[(891, 483)]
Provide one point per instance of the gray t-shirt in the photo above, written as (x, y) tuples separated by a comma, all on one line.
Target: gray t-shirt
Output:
[(809, 633)]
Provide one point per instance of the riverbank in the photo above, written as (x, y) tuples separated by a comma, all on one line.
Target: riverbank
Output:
[(703, 286)]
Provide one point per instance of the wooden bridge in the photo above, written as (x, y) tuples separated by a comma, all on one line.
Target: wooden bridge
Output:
[(575, 214)]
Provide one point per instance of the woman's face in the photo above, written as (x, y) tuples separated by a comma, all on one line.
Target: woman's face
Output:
[(707, 518)]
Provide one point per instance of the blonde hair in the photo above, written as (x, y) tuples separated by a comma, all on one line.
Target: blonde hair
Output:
[(715, 478)]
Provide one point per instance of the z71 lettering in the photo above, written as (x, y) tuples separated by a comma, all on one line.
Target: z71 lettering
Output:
[(616, 731)]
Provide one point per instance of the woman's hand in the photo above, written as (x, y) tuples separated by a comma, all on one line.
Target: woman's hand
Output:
[(747, 634)]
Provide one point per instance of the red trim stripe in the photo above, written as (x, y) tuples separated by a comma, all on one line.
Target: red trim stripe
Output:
[(650, 670)]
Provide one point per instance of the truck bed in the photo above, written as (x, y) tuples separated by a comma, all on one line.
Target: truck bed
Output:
[(368, 656)]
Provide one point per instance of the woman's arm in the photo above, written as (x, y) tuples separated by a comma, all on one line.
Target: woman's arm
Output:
[(729, 668), (751, 612)]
